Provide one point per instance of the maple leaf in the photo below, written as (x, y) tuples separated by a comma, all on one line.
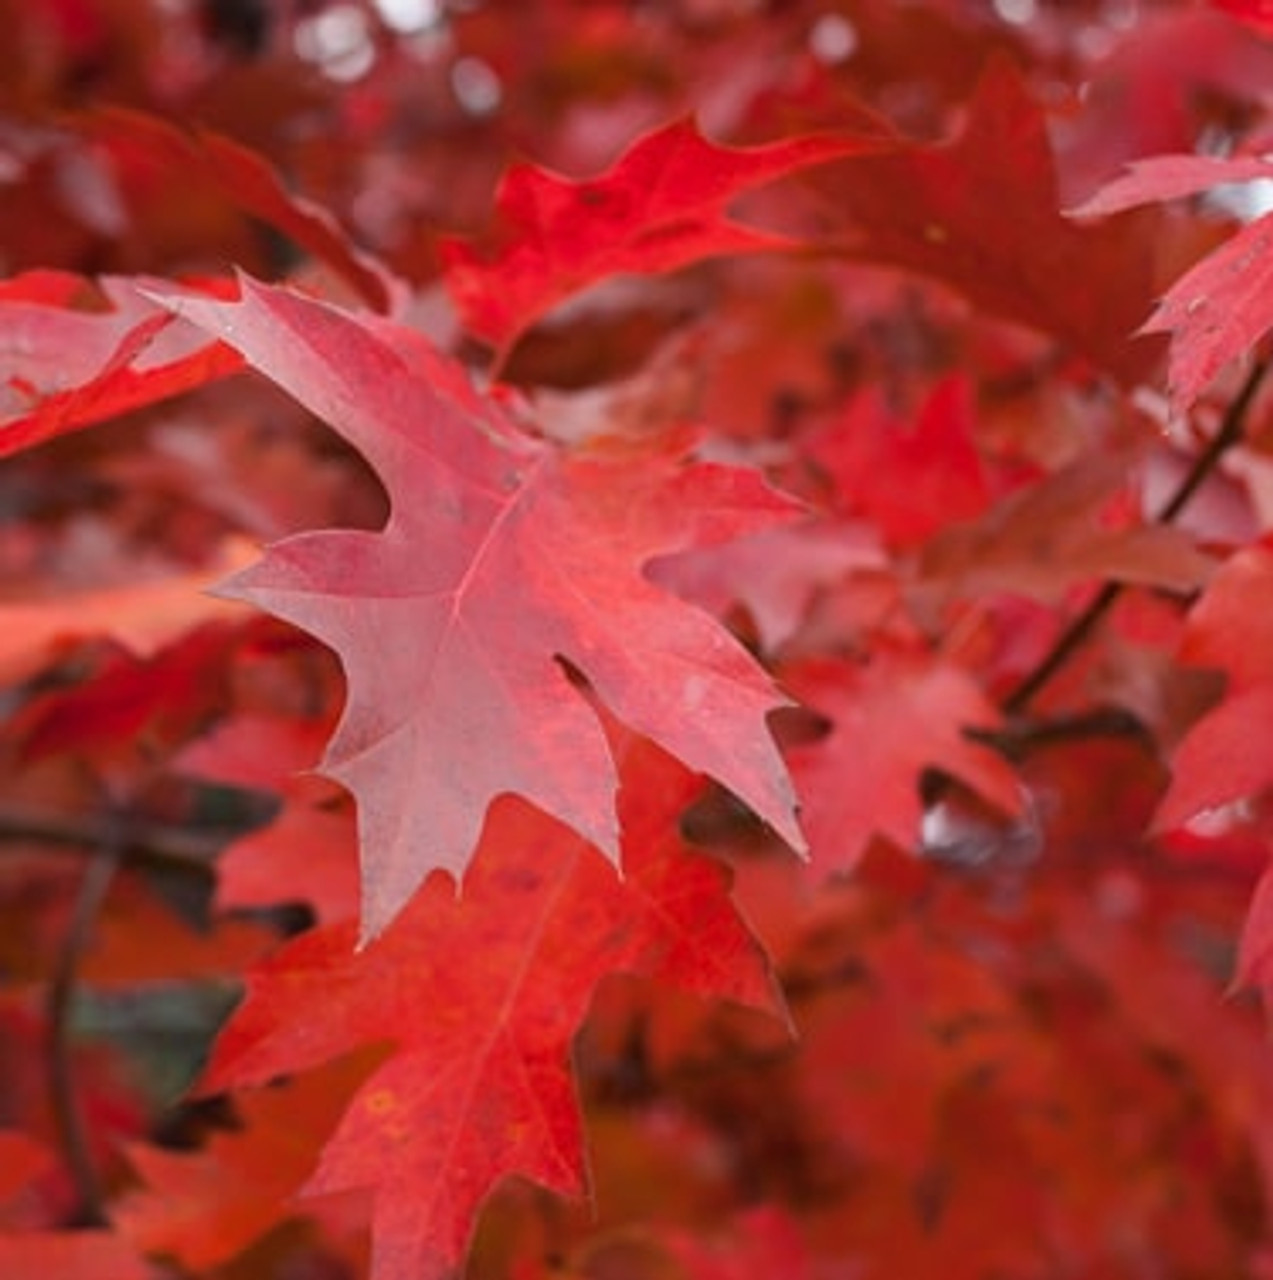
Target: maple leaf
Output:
[(1219, 309), (501, 557), (775, 574), (167, 156), (661, 206), (982, 214), (1048, 537), (206, 1206), (1228, 754), (890, 720), (910, 479), (479, 998)]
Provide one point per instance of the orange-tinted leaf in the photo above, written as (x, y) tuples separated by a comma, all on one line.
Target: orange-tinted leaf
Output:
[(22, 1159), (71, 1255), (142, 618), (206, 1206), (501, 558)]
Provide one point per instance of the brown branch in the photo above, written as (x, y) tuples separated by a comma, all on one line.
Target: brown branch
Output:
[(1019, 737), (67, 1112), (141, 841), (1074, 635)]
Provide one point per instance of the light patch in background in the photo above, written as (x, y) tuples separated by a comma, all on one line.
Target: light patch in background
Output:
[(1017, 12), (338, 40), (1245, 200), (409, 17), (476, 87), (833, 38)]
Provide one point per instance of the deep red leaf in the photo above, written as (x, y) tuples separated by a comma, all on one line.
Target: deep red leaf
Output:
[(889, 721), (501, 559), (1228, 754), (248, 181), (982, 213), (1218, 310), (479, 998), (204, 1207), (661, 206), (910, 478)]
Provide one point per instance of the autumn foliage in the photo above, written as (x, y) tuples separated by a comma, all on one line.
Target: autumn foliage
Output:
[(636, 641)]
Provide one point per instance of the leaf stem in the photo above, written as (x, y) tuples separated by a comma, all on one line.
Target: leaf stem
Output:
[(68, 1114), (1080, 627)]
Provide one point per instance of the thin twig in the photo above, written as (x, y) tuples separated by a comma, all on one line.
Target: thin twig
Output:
[(143, 842), (1229, 433), (67, 1112)]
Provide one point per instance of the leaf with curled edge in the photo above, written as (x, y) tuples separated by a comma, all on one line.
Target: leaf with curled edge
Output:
[(69, 363), (504, 561)]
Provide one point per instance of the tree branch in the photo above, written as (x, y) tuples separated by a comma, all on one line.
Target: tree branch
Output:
[(1074, 635), (142, 842), (67, 1112)]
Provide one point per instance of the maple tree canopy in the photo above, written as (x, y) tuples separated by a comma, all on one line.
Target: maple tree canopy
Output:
[(636, 640)]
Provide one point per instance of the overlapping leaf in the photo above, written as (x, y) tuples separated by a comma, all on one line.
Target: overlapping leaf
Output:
[(478, 998), (69, 365), (982, 213), (1219, 309), (889, 721), (501, 560), (1228, 754), (661, 206)]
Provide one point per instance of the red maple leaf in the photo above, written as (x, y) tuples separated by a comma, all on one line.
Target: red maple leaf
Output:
[(911, 479), (1228, 754), (501, 559), (982, 213), (890, 720), (479, 998), (1220, 307), (661, 206)]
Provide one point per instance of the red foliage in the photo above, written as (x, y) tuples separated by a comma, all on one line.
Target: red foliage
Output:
[(683, 432)]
